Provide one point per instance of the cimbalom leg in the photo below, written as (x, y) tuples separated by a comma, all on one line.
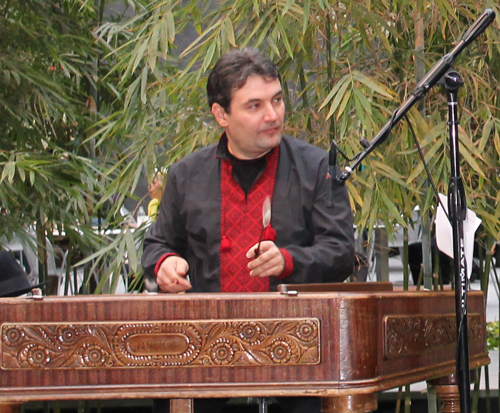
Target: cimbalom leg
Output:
[(359, 403)]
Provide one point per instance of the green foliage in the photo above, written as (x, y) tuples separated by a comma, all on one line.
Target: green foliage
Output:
[(346, 67), (493, 335), (51, 90), (127, 95)]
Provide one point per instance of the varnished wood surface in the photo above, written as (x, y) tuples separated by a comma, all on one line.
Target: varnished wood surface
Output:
[(357, 287), (266, 344)]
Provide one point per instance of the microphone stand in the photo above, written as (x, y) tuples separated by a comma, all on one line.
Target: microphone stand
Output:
[(456, 198), (457, 210)]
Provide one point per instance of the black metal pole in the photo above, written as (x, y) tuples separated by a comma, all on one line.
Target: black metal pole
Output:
[(457, 209)]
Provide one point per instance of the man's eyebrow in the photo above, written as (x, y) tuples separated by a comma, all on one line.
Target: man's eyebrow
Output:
[(280, 93)]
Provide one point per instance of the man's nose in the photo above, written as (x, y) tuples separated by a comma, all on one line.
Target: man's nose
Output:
[(270, 114)]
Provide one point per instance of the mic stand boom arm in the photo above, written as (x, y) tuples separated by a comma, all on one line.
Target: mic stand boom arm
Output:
[(429, 80)]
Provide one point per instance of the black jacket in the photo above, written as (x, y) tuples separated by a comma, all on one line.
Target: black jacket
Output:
[(319, 238)]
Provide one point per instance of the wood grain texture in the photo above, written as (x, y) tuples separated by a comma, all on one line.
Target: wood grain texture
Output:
[(157, 344), (229, 345)]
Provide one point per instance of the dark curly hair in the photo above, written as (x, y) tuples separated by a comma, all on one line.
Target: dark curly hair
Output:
[(232, 71)]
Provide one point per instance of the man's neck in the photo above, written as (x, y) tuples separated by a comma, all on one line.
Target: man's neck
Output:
[(245, 157)]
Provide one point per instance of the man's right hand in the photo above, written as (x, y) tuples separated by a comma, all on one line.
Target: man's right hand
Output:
[(171, 277)]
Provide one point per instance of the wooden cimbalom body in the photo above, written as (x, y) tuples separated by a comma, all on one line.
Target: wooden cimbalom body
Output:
[(342, 342)]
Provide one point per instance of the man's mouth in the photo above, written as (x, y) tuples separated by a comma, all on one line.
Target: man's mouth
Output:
[(271, 130)]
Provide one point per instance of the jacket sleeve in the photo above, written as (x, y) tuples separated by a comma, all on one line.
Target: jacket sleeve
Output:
[(326, 252), (167, 233)]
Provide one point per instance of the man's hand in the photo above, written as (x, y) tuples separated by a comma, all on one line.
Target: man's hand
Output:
[(171, 277), (269, 263)]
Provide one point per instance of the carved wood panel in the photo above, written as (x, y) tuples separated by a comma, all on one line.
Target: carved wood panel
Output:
[(415, 335), (160, 344)]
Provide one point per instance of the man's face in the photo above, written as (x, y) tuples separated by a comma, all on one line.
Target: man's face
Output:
[(255, 123)]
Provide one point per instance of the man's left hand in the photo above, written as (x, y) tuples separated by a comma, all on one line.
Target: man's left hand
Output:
[(269, 263)]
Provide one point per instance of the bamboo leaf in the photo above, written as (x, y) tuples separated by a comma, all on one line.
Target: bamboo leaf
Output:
[(209, 56), (169, 18), (361, 98), (305, 15), (9, 171), (284, 38), (390, 173), (21, 173), (372, 84), (486, 135), (367, 201), (430, 154), (338, 98), (112, 246), (496, 141), (262, 29), (467, 143), (446, 8), (139, 55), (132, 90), (391, 206), (472, 162), (344, 103), (354, 193), (335, 89), (230, 32), (256, 7), (153, 47), (201, 38), (286, 7), (131, 250), (144, 84), (361, 110)]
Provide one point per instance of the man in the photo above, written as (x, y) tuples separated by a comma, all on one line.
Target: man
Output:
[(210, 236)]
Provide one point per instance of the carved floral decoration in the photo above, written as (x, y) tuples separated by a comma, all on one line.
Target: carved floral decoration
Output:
[(414, 335), (160, 344)]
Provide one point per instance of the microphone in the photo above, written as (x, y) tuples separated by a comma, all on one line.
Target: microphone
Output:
[(479, 26), (445, 63), (332, 171)]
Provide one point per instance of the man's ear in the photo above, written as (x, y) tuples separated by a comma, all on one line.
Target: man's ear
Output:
[(219, 115)]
